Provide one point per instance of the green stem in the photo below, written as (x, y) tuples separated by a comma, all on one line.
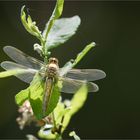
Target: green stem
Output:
[(54, 122), (44, 50), (59, 136)]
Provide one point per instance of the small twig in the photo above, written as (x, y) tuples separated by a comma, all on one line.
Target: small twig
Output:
[(60, 127), (54, 122)]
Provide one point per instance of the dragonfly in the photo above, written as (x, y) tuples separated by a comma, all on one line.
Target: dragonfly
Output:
[(71, 81)]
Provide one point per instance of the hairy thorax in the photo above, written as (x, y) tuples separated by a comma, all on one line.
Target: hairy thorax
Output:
[(52, 70)]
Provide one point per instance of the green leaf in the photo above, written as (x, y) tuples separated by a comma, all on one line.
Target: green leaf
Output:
[(61, 31), (60, 112), (29, 25), (72, 63), (55, 15), (12, 72), (77, 102), (36, 92), (83, 53), (22, 96), (73, 134)]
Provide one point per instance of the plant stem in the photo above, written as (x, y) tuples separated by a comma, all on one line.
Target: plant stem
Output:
[(59, 136), (54, 122), (44, 50)]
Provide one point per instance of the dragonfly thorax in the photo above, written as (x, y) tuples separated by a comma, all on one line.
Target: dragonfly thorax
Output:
[(52, 67)]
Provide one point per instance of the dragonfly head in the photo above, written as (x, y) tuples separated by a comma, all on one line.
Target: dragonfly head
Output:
[(53, 60)]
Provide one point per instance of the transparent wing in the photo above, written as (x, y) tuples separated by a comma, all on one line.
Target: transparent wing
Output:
[(27, 74), (22, 58), (86, 74), (72, 85)]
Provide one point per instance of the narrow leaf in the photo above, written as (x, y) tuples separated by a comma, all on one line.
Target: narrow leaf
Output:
[(83, 53), (60, 112), (55, 15), (77, 102), (29, 25), (72, 63), (12, 72)]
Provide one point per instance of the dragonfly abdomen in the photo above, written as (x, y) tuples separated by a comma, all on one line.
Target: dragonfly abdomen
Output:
[(47, 94), (51, 79)]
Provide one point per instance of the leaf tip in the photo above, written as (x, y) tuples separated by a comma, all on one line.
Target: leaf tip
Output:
[(78, 18), (93, 44), (22, 9)]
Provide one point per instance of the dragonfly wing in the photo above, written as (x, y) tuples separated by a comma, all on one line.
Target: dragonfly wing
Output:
[(27, 74), (86, 74), (72, 85), (26, 77), (22, 58)]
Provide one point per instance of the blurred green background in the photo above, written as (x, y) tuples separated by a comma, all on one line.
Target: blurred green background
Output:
[(113, 112)]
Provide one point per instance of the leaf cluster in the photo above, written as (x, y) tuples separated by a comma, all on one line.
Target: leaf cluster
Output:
[(56, 32)]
